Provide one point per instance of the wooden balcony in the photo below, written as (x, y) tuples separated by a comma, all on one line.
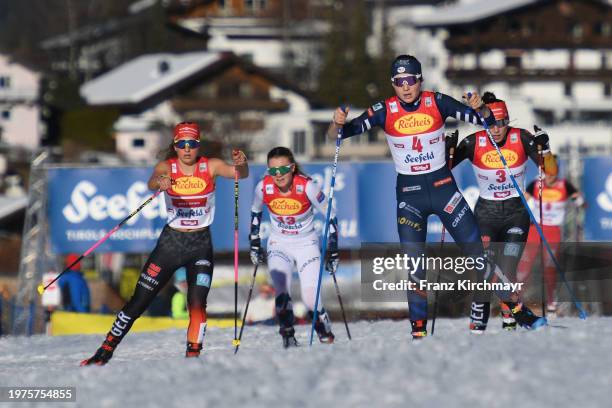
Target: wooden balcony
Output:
[(461, 76)]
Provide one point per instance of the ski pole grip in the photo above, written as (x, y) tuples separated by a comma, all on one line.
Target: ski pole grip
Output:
[(340, 129)]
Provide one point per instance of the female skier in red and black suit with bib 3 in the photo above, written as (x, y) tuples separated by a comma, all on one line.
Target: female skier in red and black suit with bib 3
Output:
[(188, 181)]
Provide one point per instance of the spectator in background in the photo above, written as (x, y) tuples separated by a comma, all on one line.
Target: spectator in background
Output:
[(556, 195), (179, 299), (75, 292)]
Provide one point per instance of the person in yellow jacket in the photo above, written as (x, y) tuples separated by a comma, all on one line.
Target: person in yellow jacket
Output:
[(179, 299)]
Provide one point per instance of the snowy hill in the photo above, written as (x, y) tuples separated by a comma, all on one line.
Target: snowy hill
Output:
[(556, 367)]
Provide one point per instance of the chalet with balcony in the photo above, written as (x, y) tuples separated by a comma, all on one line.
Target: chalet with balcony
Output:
[(235, 102)]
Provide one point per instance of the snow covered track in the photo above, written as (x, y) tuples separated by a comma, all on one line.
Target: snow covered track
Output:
[(553, 367)]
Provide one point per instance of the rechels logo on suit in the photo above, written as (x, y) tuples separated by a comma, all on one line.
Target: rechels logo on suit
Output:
[(413, 123), (493, 161), (188, 185), (285, 206)]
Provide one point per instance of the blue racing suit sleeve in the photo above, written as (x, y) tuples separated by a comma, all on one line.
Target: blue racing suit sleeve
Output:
[(375, 116), (451, 108)]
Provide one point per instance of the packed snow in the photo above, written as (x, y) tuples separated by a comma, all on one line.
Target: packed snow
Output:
[(567, 365)]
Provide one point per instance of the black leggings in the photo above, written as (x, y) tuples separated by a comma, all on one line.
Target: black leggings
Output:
[(506, 225), (174, 249)]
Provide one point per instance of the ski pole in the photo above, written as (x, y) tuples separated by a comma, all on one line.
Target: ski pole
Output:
[(246, 309), (348, 332), (235, 342), (451, 155), (315, 315), (42, 288), (540, 187), (581, 311)]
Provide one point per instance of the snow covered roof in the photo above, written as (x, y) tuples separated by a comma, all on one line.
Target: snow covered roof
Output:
[(466, 11), (145, 76), (252, 27)]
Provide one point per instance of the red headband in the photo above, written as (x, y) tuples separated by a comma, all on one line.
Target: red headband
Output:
[(187, 129), (499, 110)]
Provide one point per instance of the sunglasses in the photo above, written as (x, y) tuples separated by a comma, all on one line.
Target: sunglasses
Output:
[(181, 144), (282, 170), (502, 122), (400, 81)]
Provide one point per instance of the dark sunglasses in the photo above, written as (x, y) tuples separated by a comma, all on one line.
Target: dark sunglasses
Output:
[(502, 122), (282, 170), (400, 81), (181, 144)]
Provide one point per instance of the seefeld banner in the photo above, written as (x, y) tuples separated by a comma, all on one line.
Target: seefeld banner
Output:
[(85, 203)]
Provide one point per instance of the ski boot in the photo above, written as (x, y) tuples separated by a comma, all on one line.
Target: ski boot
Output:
[(508, 321), (288, 335), (419, 329), (525, 317), (323, 327), (479, 317), (104, 353), (286, 320), (193, 350)]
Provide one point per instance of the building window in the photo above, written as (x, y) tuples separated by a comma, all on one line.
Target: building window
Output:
[(567, 89), (513, 26), (255, 4), (246, 90), (140, 142), (5, 82), (577, 31), (299, 142), (607, 90), (228, 90), (208, 91), (603, 28), (513, 61), (6, 114), (527, 29)]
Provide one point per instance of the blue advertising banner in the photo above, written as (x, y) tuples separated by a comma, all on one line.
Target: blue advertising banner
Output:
[(85, 203), (597, 189)]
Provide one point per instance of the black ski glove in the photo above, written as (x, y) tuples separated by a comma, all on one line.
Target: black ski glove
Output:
[(451, 141), (541, 138), (257, 255), (331, 255)]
